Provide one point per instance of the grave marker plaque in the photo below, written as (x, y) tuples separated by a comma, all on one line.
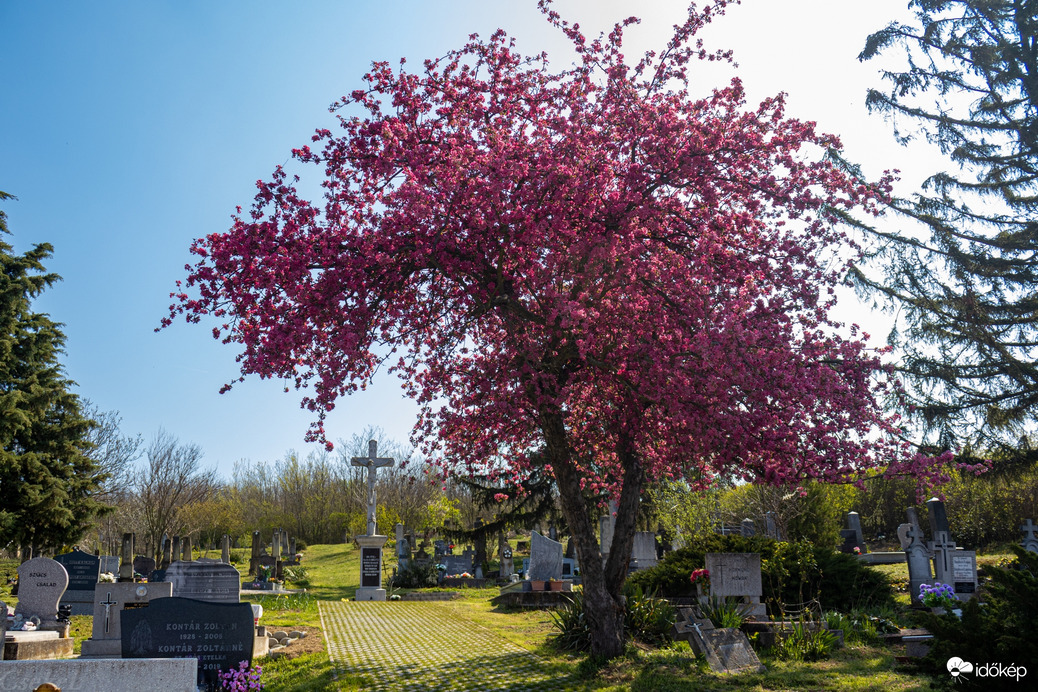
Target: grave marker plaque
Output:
[(218, 635), (370, 567), (41, 582)]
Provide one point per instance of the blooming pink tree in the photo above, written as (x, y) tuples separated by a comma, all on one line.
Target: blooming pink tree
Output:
[(588, 261)]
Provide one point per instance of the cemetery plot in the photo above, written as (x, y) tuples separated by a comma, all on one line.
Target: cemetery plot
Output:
[(218, 635)]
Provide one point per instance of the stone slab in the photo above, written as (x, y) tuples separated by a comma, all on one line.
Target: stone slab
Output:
[(34, 650), (33, 636), (728, 650), (120, 675)]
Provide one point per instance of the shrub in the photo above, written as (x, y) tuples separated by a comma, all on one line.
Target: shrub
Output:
[(646, 618), (790, 573), (415, 576), (297, 575), (723, 612), (1001, 631)]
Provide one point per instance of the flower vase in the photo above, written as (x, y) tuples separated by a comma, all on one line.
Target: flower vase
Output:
[(555, 586)]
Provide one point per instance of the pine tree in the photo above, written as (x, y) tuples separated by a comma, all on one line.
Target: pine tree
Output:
[(966, 286), (48, 480)]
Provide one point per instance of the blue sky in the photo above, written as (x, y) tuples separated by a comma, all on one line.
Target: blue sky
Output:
[(129, 129)]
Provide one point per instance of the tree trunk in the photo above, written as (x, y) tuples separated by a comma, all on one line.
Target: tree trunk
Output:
[(603, 599)]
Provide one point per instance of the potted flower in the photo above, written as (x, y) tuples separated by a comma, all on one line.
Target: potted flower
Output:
[(938, 597), (701, 580), (554, 585)]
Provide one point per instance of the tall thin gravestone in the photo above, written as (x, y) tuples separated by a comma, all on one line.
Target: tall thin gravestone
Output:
[(747, 528), (126, 559), (186, 554), (225, 549), (167, 553), (938, 518), (175, 548), (371, 544), (256, 546), (854, 524), (918, 558)]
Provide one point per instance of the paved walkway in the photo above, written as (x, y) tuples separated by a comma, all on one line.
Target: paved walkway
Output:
[(398, 645)]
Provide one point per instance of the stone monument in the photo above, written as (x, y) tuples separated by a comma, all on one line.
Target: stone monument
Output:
[(1030, 541), (371, 543)]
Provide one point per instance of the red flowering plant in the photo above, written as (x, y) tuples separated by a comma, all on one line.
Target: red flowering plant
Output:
[(701, 579), (590, 261)]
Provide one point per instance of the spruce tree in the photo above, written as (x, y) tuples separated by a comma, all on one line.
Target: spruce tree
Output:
[(48, 482), (964, 277)]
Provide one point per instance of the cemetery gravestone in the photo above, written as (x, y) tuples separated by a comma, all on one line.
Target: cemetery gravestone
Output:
[(747, 528), (918, 558), (737, 575), (110, 564), (849, 541), (942, 548), (111, 600), (902, 535), (964, 573), (643, 551), (545, 558), (218, 635), (938, 517), (225, 549), (1030, 542), (41, 583), (771, 526), (143, 565), (213, 582), (83, 572), (854, 524), (456, 564), (126, 558)]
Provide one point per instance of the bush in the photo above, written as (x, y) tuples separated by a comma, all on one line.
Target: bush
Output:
[(646, 618), (790, 573), (297, 575), (415, 576), (1001, 631)]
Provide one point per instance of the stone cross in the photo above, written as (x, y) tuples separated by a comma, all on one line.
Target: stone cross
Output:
[(372, 462), (942, 548), (1030, 540), (918, 558)]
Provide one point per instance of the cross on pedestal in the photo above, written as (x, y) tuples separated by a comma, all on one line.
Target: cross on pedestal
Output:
[(108, 607), (942, 548), (372, 462)]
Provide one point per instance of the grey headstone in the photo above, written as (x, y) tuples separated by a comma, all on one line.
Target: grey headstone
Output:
[(848, 541), (41, 583), (1030, 541), (902, 535), (507, 563), (854, 524), (643, 550), (747, 528), (771, 526), (186, 552), (737, 575), (126, 558), (3, 624), (225, 549), (918, 558), (545, 558), (109, 602), (728, 651), (942, 548), (214, 582)]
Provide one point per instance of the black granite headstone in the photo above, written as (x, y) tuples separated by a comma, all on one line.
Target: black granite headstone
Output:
[(143, 565), (83, 569), (218, 635), (369, 567)]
